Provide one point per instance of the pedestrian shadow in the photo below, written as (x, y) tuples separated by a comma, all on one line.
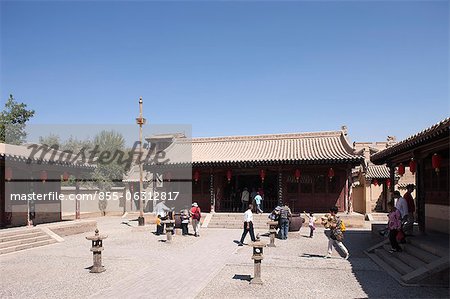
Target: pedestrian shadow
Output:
[(242, 277), (126, 222), (89, 268), (311, 255)]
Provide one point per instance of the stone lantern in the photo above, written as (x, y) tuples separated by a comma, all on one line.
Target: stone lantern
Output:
[(272, 232), (257, 258), (97, 249), (169, 229)]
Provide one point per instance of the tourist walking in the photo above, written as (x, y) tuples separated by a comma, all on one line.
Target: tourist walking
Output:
[(261, 192), (244, 199), (311, 223), (185, 222), (258, 200), (408, 227), (394, 226), (196, 215), (334, 232), (285, 212), (248, 225)]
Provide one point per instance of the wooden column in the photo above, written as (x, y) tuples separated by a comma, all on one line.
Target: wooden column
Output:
[(392, 173), (211, 191), (420, 194), (77, 202), (280, 188)]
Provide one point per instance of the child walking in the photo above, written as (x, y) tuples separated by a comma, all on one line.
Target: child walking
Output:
[(159, 228), (312, 225)]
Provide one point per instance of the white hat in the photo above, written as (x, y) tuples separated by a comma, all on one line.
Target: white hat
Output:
[(195, 204)]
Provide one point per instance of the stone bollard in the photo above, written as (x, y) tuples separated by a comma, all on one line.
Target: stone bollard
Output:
[(272, 232), (97, 251), (257, 258), (169, 229)]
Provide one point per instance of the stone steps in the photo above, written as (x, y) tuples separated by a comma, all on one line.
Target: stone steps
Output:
[(395, 263), (24, 238), (406, 258), (16, 236), (236, 221), (420, 263), (21, 241)]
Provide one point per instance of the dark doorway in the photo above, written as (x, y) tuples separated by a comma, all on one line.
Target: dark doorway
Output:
[(232, 191)]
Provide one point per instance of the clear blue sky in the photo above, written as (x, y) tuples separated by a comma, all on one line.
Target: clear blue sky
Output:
[(231, 68)]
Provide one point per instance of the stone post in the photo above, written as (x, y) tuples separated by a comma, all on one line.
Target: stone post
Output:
[(169, 229), (272, 232), (257, 258), (97, 252)]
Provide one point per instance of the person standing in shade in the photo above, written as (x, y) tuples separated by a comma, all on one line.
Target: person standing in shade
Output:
[(402, 206), (248, 225), (408, 228), (285, 212), (334, 234), (244, 199), (196, 215), (258, 200), (394, 225)]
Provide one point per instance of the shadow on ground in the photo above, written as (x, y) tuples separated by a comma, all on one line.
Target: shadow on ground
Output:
[(375, 282)]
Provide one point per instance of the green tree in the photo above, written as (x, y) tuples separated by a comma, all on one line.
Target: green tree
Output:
[(108, 146), (51, 140), (13, 119)]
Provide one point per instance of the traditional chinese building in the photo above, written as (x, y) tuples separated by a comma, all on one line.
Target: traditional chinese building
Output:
[(310, 171), (26, 172), (427, 155), (371, 183)]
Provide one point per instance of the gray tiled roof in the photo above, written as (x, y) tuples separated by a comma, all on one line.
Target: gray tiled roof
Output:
[(377, 172), (319, 147), (439, 130)]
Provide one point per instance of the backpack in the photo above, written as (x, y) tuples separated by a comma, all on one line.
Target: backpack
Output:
[(342, 226), (197, 214)]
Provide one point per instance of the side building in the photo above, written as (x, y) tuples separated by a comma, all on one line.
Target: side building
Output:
[(428, 153)]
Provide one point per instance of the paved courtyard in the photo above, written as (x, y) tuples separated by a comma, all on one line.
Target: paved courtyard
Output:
[(140, 265)]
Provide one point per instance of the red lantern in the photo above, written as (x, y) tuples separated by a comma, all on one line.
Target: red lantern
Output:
[(331, 173), (388, 183), (65, 176), (168, 176), (229, 175), (297, 175), (262, 174), (436, 162), (8, 173), (375, 182), (44, 176), (401, 169), (412, 166), (196, 176)]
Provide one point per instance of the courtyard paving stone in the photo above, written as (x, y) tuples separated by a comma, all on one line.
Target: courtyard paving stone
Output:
[(138, 264)]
